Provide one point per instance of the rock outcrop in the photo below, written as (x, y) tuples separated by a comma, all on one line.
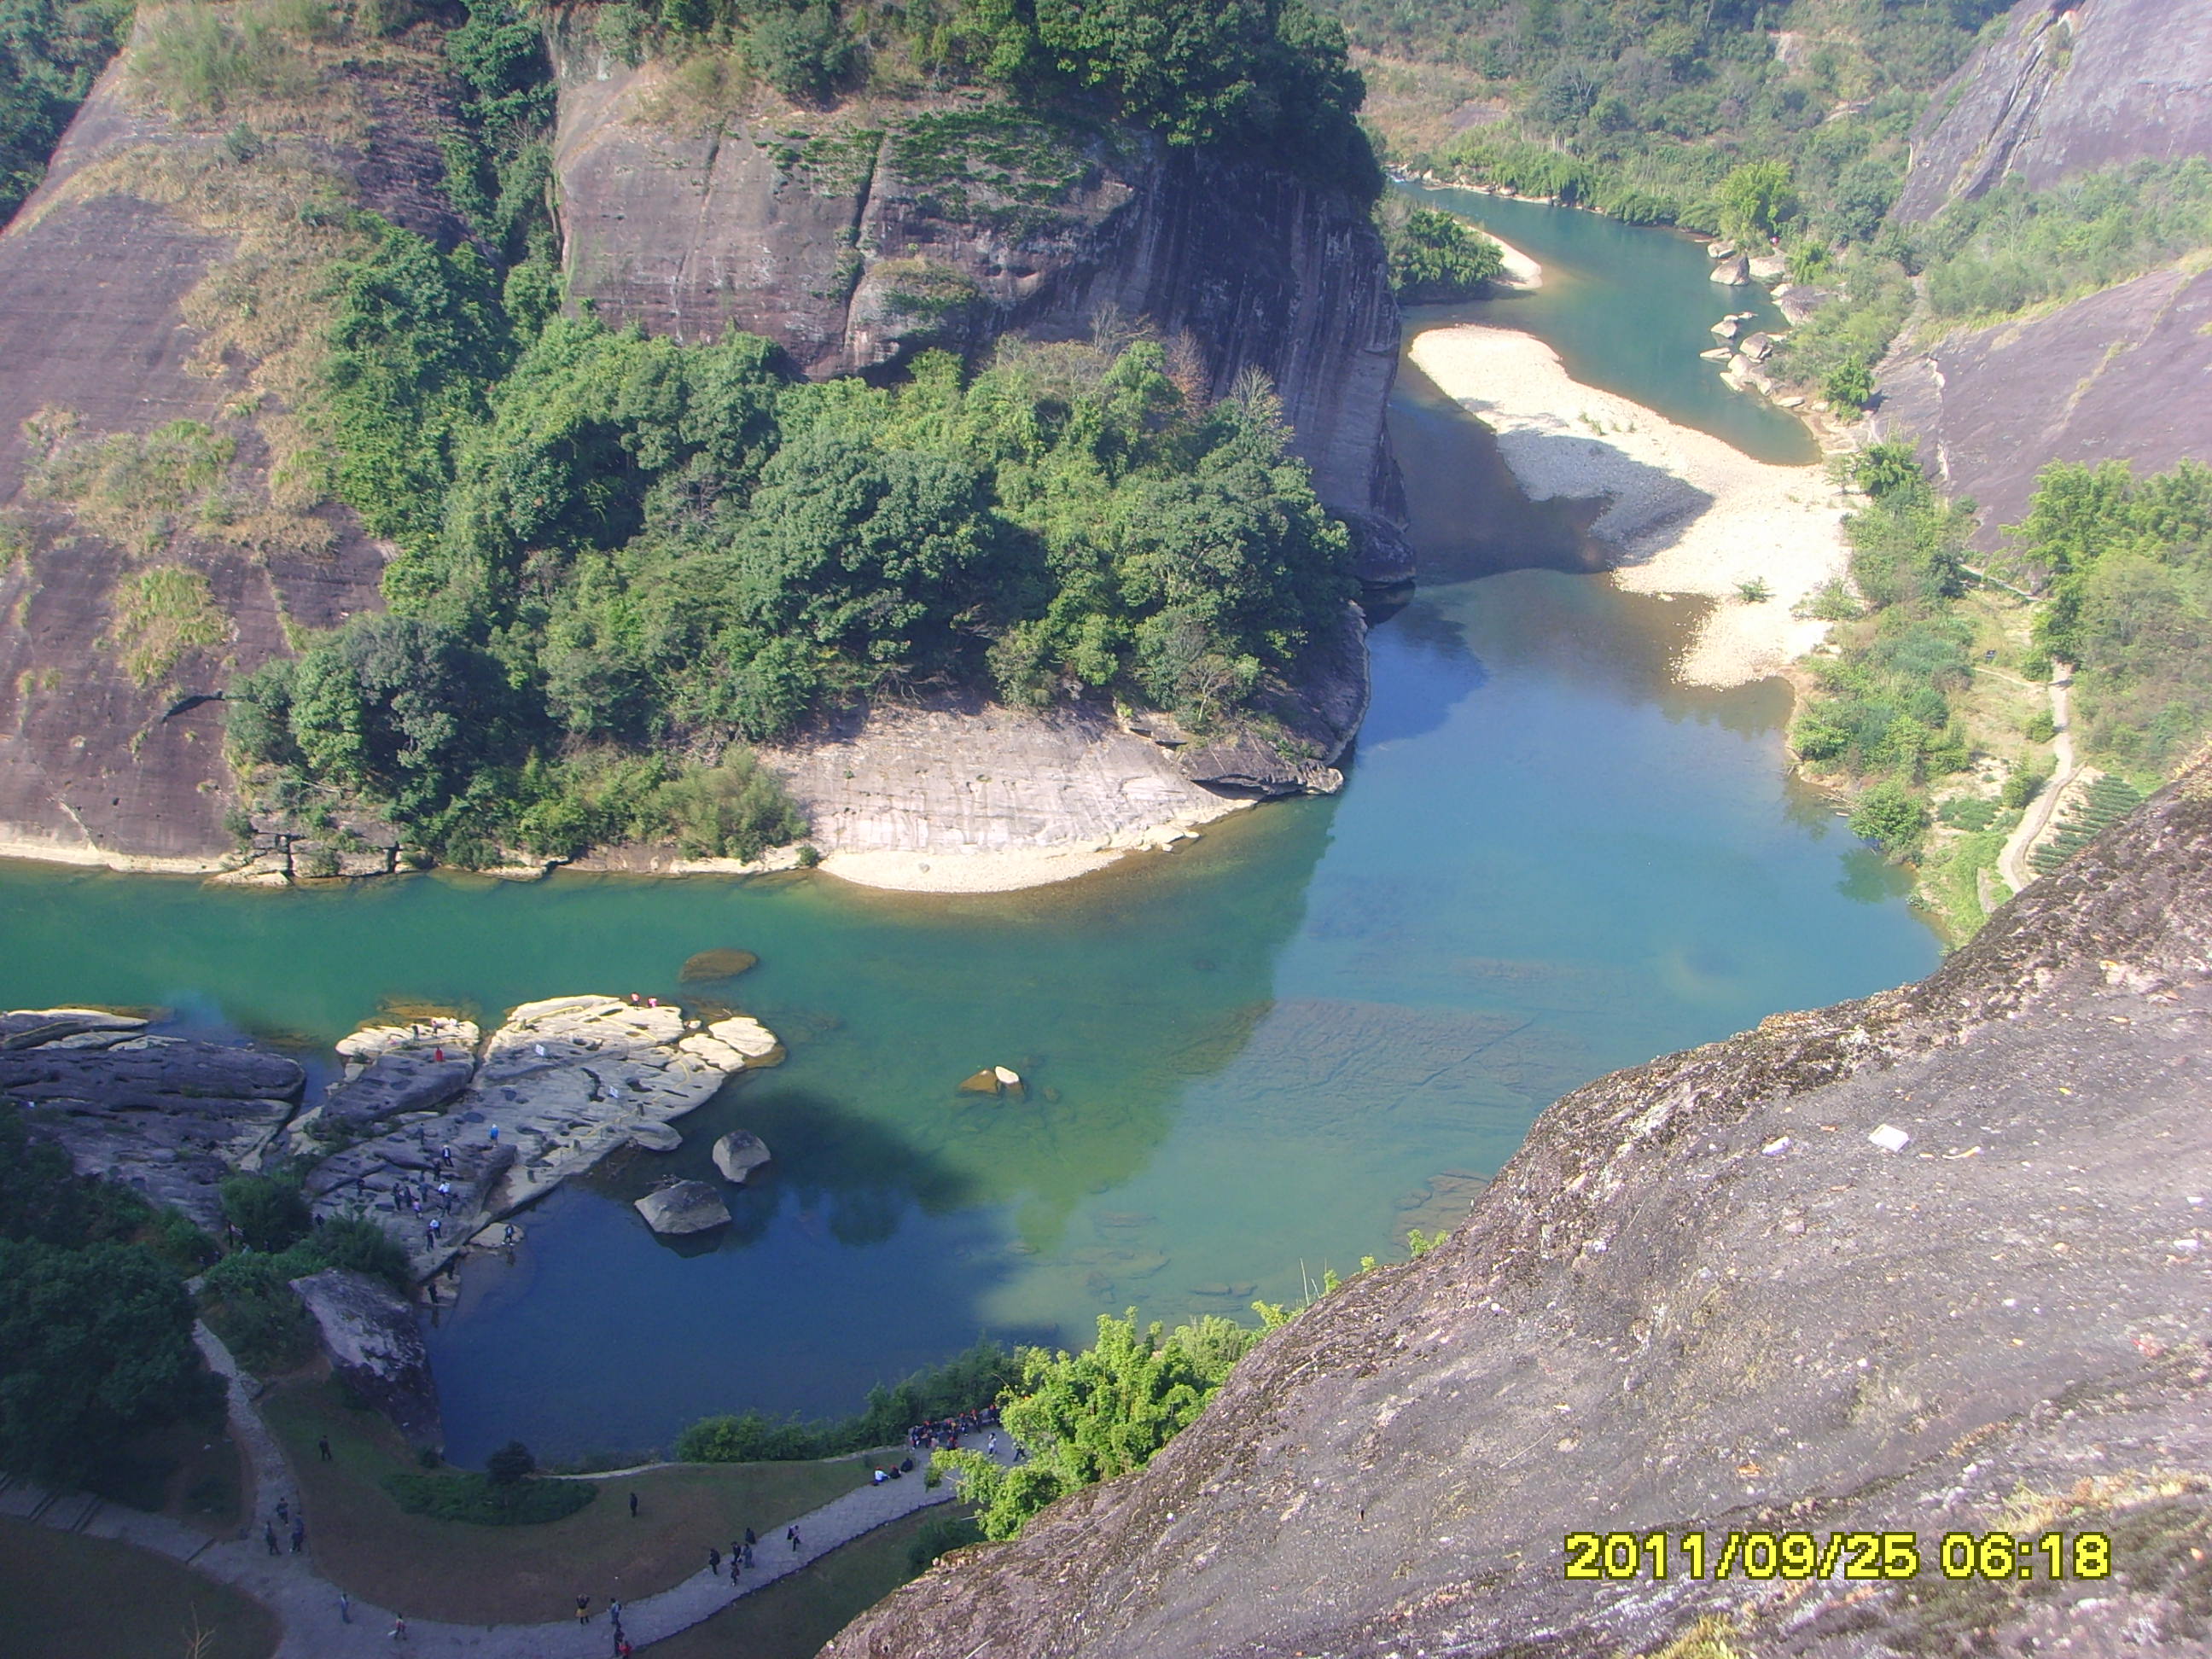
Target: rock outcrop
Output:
[(2059, 90), (682, 1207), (165, 1117), (1722, 1293), (561, 1085), (739, 1153), (118, 315), (857, 238), (2116, 375), (369, 1334), (955, 773), (2066, 86)]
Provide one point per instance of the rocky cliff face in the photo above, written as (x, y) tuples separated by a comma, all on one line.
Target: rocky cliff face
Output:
[(2118, 375), (2066, 86), (856, 238), (1704, 1297), (118, 316)]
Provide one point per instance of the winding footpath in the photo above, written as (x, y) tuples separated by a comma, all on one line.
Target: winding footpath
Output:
[(307, 1603), (2012, 861)]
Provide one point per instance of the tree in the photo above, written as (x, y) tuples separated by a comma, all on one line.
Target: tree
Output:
[(269, 1213), (45, 1200), (1849, 386), (1890, 815), (1435, 256), (511, 1465), (1756, 200), (1092, 1415), (95, 1346)]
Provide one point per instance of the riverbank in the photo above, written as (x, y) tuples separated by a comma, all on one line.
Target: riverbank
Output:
[(1685, 512)]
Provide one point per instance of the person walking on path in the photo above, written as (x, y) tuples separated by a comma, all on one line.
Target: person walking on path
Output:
[(269, 1537), (299, 1535), (583, 1609), (751, 1539), (714, 1562), (792, 1533), (632, 1506), (614, 1610), (345, 1608), (323, 1446), (736, 1548), (399, 1627)]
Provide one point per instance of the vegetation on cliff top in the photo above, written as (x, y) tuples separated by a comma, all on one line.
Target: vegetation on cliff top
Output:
[(1266, 75)]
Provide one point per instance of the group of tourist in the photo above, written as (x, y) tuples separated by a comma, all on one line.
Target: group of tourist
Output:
[(943, 1434)]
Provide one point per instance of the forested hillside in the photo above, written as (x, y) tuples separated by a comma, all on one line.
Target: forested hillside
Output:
[(618, 561)]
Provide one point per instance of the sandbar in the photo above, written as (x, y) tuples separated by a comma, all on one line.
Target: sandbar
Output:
[(1685, 512)]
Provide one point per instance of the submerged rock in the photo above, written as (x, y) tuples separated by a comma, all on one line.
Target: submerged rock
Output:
[(739, 1153), (683, 1207), (985, 1082), (716, 964), (375, 1349)]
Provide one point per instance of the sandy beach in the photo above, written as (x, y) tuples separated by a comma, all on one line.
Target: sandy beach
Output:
[(1521, 272), (1687, 513), (1005, 869)]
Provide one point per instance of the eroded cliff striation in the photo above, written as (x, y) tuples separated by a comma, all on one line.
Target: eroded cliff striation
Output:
[(1701, 1297), (856, 239), (142, 563), (2115, 375), (2064, 86), (2061, 90)]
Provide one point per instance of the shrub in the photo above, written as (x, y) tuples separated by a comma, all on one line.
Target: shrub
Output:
[(1849, 386), (511, 1464), (1890, 816), (2042, 727), (2023, 783), (479, 1501), (268, 1211)]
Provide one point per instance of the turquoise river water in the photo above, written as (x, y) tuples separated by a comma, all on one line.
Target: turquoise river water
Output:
[(1266, 1054)]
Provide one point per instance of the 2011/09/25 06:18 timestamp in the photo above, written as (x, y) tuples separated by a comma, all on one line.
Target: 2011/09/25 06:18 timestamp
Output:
[(1861, 1555)]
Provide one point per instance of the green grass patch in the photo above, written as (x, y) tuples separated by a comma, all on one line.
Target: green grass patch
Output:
[(434, 1568), (482, 1502), (67, 1596), (159, 615)]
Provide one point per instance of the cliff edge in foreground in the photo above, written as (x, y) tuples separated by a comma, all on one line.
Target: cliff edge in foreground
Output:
[(1701, 1297)]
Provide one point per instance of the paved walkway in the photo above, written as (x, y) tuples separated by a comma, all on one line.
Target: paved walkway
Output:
[(2012, 861), (307, 1603)]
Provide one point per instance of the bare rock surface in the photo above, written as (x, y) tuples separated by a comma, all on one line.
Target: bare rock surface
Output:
[(1708, 1294), (739, 1153), (560, 1085), (369, 1334), (167, 1116), (102, 282), (683, 1207), (2116, 375), (953, 774), (2062, 87)]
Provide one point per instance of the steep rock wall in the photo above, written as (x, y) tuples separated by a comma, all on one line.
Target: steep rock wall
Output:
[(2115, 375), (2059, 90), (855, 240), (2065, 87), (1700, 1297), (109, 280)]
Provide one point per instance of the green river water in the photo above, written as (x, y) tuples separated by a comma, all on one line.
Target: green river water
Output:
[(1261, 1056)]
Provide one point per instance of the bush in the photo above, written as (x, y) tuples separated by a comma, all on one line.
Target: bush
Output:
[(510, 1465), (1890, 817), (1435, 257), (1849, 386), (268, 1211), (2042, 727), (2023, 783), (480, 1501), (940, 1534)]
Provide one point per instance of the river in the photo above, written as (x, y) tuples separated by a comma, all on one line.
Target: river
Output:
[(1251, 1060)]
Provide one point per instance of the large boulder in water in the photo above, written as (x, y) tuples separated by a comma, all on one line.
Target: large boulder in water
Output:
[(375, 1349), (683, 1207), (739, 1153)]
